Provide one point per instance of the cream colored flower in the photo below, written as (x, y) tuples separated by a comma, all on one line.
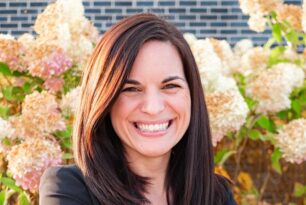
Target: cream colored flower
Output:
[(254, 61), (272, 87), (257, 22), (242, 46), (64, 23), (208, 62), (6, 129), (259, 6), (11, 53), (70, 102), (26, 40), (227, 112), (224, 83), (292, 141), (291, 14), (226, 55), (40, 114), (190, 38), (27, 161)]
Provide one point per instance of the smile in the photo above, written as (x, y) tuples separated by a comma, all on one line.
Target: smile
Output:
[(152, 127)]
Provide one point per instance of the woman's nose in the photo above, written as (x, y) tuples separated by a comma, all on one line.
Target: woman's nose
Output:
[(153, 103)]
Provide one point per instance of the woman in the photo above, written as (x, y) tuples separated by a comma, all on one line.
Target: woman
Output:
[(142, 133)]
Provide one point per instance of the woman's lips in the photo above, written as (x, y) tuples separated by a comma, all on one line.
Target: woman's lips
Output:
[(152, 129)]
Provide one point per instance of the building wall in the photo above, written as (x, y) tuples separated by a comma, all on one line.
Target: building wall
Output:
[(222, 19)]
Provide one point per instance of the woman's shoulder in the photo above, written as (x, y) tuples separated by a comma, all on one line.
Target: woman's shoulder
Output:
[(224, 188), (64, 185)]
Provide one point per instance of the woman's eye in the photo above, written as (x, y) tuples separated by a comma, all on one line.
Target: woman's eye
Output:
[(171, 86), (131, 89)]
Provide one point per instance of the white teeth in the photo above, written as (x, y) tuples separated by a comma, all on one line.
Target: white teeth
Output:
[(152, 127)]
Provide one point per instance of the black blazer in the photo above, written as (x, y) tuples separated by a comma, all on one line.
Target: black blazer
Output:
[(64, 185)]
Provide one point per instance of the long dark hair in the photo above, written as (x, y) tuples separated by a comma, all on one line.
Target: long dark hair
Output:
[(97, 149)]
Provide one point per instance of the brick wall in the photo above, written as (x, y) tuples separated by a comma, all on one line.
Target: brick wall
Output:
[(205, 18)]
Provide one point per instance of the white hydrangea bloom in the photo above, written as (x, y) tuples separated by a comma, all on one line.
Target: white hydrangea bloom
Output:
[(208, 62), (254, 61), (242, 46), (224, 83), (259, 6), (27, 161), (7, 37), (292, 141), (6, 129), (257, 22), (273, 86), (71, 101), (227, 112), (226, 55), (190, 38)]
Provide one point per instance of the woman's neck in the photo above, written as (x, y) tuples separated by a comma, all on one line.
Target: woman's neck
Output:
[(155, 168)]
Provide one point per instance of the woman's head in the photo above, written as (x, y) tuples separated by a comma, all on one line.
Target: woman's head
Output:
[(125, 56), (152, 112)]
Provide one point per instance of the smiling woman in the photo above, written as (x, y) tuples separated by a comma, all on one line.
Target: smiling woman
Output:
[(142, 133)]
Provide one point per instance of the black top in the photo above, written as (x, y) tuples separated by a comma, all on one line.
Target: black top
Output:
[(64, 185)]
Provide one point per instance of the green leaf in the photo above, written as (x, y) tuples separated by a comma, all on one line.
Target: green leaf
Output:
[(269, 43), (254, 134), (222, 155), (2, 197), (276, 55), (250, 102), (275, 157), (18, 94), (67, 144), (293, 37), (4, 112), (283, 115), (23, 199), (67, 156), (277, 51), (273, 15), (27, 87), (264, 122), (299, 189), (8, 93), (296, 107), (5, 70), (67, 133), (277, 32), (10, 183)]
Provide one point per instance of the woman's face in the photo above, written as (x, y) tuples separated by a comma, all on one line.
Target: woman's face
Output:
[(152, 112)]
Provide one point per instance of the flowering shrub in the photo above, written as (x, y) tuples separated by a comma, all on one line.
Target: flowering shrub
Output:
[(252, 94)]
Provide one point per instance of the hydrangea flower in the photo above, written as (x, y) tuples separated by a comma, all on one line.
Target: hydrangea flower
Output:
[(257, 22), (259, 6), (254, 61), (291, 14), (11, 52), (27, 161), (242, 46), (273, 86), (70, 102), (6, 129), (40, 114), (292, 141), (227, 112), (48, 60)]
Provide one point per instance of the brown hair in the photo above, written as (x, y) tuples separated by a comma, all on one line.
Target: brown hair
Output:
[(98, 150)]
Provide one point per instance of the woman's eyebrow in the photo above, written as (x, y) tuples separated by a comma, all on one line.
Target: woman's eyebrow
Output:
[(130, 81), (173, 78), (135, 82)]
